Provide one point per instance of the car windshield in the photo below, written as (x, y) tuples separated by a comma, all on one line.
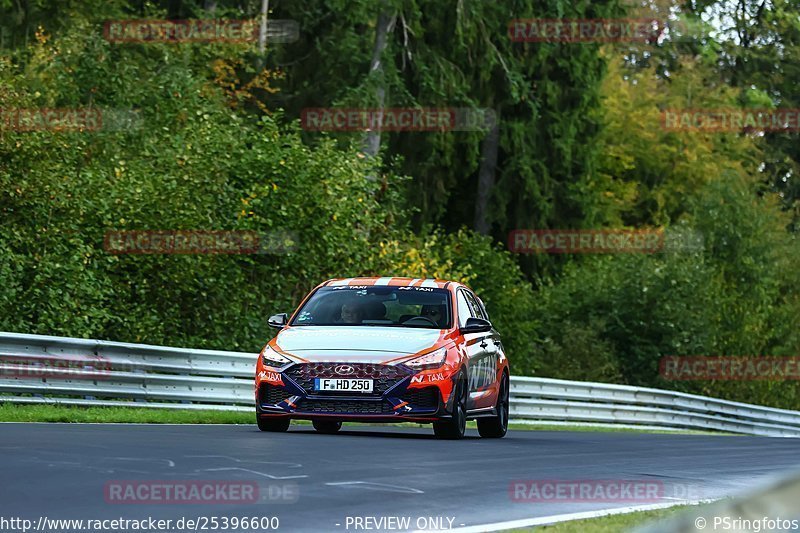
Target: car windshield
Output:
[(412, 307)]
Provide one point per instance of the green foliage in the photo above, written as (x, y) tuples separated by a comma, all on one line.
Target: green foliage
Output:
[(642, 306), (646, 173), (192, 163), (213, 146), (723, 299)]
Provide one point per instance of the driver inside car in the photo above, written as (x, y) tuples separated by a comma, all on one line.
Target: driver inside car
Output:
[(351, 314), (434, 313)]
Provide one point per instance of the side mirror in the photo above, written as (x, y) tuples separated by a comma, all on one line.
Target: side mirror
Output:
[(476, 325), (278, 321)]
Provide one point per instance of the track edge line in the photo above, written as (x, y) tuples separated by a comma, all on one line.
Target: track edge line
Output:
[(568, 517)]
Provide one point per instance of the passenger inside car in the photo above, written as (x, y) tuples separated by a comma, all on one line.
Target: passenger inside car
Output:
[(375, 311)]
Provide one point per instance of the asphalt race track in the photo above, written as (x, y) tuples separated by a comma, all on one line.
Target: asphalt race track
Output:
[(313, 482)]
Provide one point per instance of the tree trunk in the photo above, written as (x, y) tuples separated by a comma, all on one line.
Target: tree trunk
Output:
[(486, 177), (210, 6), (262, 34), (386, 21)]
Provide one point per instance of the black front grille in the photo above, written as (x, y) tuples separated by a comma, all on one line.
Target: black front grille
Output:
[(426, 398), (271, 395), (384, 377), (358, 407)]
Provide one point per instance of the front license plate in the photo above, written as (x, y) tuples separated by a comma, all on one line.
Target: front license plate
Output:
[(338, 384)]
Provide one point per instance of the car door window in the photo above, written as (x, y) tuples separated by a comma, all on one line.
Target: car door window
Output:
[(475, 309), (464, 312), (482, 308)]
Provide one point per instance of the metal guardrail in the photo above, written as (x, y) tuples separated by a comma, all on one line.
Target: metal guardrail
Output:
[(575, 401), (122, 374)]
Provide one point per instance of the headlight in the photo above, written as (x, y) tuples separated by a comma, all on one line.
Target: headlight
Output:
[(429, 360), (272, 358)]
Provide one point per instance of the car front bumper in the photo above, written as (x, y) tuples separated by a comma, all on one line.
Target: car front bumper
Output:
[(290, 392)]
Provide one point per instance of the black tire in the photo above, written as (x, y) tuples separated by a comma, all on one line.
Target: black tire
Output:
[(272, 424), (327, 426), (455, 427), (496, 427)]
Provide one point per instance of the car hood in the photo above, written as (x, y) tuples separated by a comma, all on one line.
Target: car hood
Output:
[(355, 343)]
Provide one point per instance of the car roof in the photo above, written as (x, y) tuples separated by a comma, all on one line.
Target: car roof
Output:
[(391, 282)]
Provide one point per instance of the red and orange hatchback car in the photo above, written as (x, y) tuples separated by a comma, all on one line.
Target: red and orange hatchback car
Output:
[(385, 350)]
